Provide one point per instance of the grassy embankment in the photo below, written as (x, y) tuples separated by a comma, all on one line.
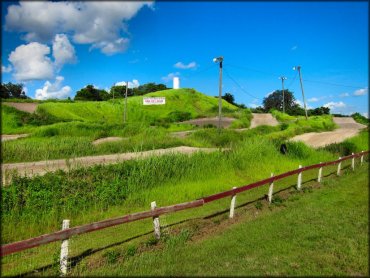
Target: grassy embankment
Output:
[(35, 206), (76, 125), (89, 121)]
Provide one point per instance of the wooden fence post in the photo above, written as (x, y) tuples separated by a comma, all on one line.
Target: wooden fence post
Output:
[(232, 205), (271, 189), (64, 250), (339, 165), (299, 182), (362, 157), (157, 228), (320, 174), (353, 163)]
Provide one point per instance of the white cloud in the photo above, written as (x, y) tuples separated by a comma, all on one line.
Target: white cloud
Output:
[(300, 103), (63, 50), (313, 99), (365, 114), (294, 48), (134, 84), (344, 95), (7, 69), (252, 105), (170, 76), (270, 93), (101, 24), (361, 92), (31, 63), (180, 65), (334, 105), (53, 90)]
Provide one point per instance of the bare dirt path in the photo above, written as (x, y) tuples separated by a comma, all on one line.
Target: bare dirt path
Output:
[(108, 139), (257, 120), (5, 137), (29, 107), (348, 127), (42, 167)]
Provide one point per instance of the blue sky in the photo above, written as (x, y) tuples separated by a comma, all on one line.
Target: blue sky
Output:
[(55, 49)]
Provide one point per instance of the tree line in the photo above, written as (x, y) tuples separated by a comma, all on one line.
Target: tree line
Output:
[(118, 91)]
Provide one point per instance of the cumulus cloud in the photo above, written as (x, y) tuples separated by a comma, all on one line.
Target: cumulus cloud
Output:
[(344, 95), (334, 105), (170, 76), (101, 24), (180, 65), (53, 90), (361, 92), (365, 114), (134, 84), (294, 48), (313, 99), (7, 69), (63, 50), (31, 63), (300, 103)]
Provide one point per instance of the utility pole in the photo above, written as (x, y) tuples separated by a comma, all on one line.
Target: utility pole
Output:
[(282, 81), (300, 79), (219, 60), (125, 112)]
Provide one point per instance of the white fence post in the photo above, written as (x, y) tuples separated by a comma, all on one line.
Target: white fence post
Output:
[(64, 250), (271, 190), (299, 184), (232, 205), (157, 228), (320, 174), (362, 157), (339, 165), (353, 162)]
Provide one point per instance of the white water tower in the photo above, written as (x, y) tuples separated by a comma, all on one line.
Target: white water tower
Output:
[(176, 83)]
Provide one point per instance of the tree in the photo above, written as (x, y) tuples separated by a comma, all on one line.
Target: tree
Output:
[(91, 93), (275, 101), (149, 88), (10, 90), (229, 98), (120, 91)]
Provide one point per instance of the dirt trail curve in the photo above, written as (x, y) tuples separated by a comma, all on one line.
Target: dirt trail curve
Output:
[(29, 107), (257, 120), (42, 167), (348, 127)]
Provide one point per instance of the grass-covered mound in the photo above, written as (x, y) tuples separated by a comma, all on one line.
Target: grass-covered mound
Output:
[(181, 105)]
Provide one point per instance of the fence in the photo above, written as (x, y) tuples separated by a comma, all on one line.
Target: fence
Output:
[(155, 212)]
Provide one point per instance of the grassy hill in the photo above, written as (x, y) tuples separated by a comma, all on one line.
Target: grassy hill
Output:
[(182, 104)]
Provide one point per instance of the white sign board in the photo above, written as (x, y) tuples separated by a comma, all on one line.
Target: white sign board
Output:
[(154, 100)]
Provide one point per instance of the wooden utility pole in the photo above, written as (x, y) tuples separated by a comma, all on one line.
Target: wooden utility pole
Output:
[(125, 112), (219, 60), (300, 78), (282, 81)]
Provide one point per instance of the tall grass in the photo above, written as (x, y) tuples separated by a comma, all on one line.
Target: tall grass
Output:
[(132, 184)]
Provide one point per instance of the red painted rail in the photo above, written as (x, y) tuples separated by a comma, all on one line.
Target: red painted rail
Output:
[(67, 233)]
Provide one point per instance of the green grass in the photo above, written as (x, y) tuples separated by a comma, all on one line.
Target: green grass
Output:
[(322, 233), (360, 119), (180, 103), (352, 145), (34, 206)]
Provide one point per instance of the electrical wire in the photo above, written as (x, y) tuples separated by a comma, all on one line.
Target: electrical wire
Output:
[(249, 94)]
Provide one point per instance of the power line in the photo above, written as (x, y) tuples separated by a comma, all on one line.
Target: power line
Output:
[(198, 72), (228, 75)]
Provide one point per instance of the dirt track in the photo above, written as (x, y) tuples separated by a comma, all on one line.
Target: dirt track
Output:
[(5, 137), (42, 167), (263, 119), (29, 107), (348, 127)]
